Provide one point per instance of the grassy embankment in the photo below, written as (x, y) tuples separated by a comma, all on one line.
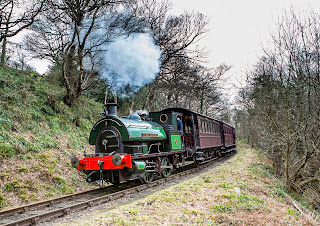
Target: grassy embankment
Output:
[(37, 134), (241, 191)]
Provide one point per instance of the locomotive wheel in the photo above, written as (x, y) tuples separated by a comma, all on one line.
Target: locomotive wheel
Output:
[(165, 162), (147, 177), (108, 140)]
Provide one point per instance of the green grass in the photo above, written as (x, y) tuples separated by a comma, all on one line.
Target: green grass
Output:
[(37, 134), (35, 106), (261, 169), (225, 195), (239, 202), (3, 202)]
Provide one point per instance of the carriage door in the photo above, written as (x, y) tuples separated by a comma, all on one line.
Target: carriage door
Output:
[(188, 127)]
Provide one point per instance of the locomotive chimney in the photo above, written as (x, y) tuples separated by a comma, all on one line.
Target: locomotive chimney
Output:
[(111, 109)]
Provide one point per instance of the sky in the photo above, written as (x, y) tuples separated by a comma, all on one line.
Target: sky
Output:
[(238, 30)]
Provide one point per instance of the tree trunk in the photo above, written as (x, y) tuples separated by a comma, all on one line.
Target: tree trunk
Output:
[(3, 53), (132, 103), (202, 99), (286, 167)]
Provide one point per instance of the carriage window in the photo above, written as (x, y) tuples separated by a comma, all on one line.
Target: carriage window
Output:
[(202, 126)]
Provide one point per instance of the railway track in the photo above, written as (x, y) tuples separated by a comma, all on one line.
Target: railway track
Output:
[(47, 210)]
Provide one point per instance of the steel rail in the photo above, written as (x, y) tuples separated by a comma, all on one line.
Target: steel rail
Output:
[(46, 203), (96, 201)]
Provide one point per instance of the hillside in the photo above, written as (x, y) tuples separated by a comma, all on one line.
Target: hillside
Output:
[(241, 191), (37, 134)]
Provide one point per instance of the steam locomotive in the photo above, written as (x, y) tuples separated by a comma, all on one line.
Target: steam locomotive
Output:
[(136, 147)]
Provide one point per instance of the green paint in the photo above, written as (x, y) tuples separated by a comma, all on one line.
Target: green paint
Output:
[(112, 122), (175, 141), (145, 134), (145, 149), (141, 166), (131, 130)]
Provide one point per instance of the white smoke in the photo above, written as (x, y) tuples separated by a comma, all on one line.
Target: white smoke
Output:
[(134, 60)]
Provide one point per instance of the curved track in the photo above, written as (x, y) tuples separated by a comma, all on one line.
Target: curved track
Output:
[(43, 211)]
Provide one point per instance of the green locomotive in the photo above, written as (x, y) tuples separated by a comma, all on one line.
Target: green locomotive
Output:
[(131, 148)]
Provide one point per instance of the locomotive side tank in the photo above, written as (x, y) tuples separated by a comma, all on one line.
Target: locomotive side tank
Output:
[(120, 133)]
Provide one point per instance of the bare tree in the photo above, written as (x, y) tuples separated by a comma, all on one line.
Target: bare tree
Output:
[(283, 105), (13, 21), (72, 32), (176, 36)]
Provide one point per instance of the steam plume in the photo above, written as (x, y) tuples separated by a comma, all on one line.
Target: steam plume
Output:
[(133, 60)]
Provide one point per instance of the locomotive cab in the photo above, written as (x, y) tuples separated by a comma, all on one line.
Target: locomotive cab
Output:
[(168, 120)]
